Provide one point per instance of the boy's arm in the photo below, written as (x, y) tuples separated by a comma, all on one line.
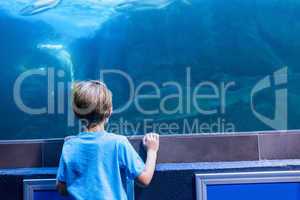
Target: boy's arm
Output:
[(151, 142), (61, 185)]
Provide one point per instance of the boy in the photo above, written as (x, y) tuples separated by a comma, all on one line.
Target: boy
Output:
[(92, 162)]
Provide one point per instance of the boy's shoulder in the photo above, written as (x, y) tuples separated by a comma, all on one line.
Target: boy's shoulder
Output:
[(108, 136), (119, 140), (116, 137), (66, 139)]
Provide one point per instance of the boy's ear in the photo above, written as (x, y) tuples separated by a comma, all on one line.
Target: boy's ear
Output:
[(110, 112)]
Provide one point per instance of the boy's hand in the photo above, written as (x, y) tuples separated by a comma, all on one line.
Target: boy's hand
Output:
[(151, 142)]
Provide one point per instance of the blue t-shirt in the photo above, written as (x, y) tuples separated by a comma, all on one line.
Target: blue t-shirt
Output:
[(93, 166)]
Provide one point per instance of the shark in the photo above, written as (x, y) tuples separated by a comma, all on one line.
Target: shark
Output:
[(39, 6), (147, 4), (59, 52)]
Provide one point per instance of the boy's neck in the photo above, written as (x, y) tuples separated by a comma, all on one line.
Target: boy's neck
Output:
[(98, 128)]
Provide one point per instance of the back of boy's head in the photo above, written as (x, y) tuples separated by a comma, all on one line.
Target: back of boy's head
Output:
[(92, 101)]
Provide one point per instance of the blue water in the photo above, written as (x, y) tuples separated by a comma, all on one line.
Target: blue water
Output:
[(155, 43)]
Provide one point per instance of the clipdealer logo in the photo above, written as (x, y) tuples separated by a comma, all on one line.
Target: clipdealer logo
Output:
[(56, 91), (278, 81)]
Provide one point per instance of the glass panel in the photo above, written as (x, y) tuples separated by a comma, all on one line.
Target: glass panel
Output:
[(205, 65)]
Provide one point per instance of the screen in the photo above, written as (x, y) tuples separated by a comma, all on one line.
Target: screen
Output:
[(174, 67)]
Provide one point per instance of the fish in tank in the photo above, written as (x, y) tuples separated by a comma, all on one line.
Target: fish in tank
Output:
[(174, 66)]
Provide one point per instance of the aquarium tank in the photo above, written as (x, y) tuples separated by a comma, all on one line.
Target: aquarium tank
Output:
[(173, 66)]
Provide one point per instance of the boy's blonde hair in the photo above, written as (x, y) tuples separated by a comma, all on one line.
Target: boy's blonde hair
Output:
[(92, 101)]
